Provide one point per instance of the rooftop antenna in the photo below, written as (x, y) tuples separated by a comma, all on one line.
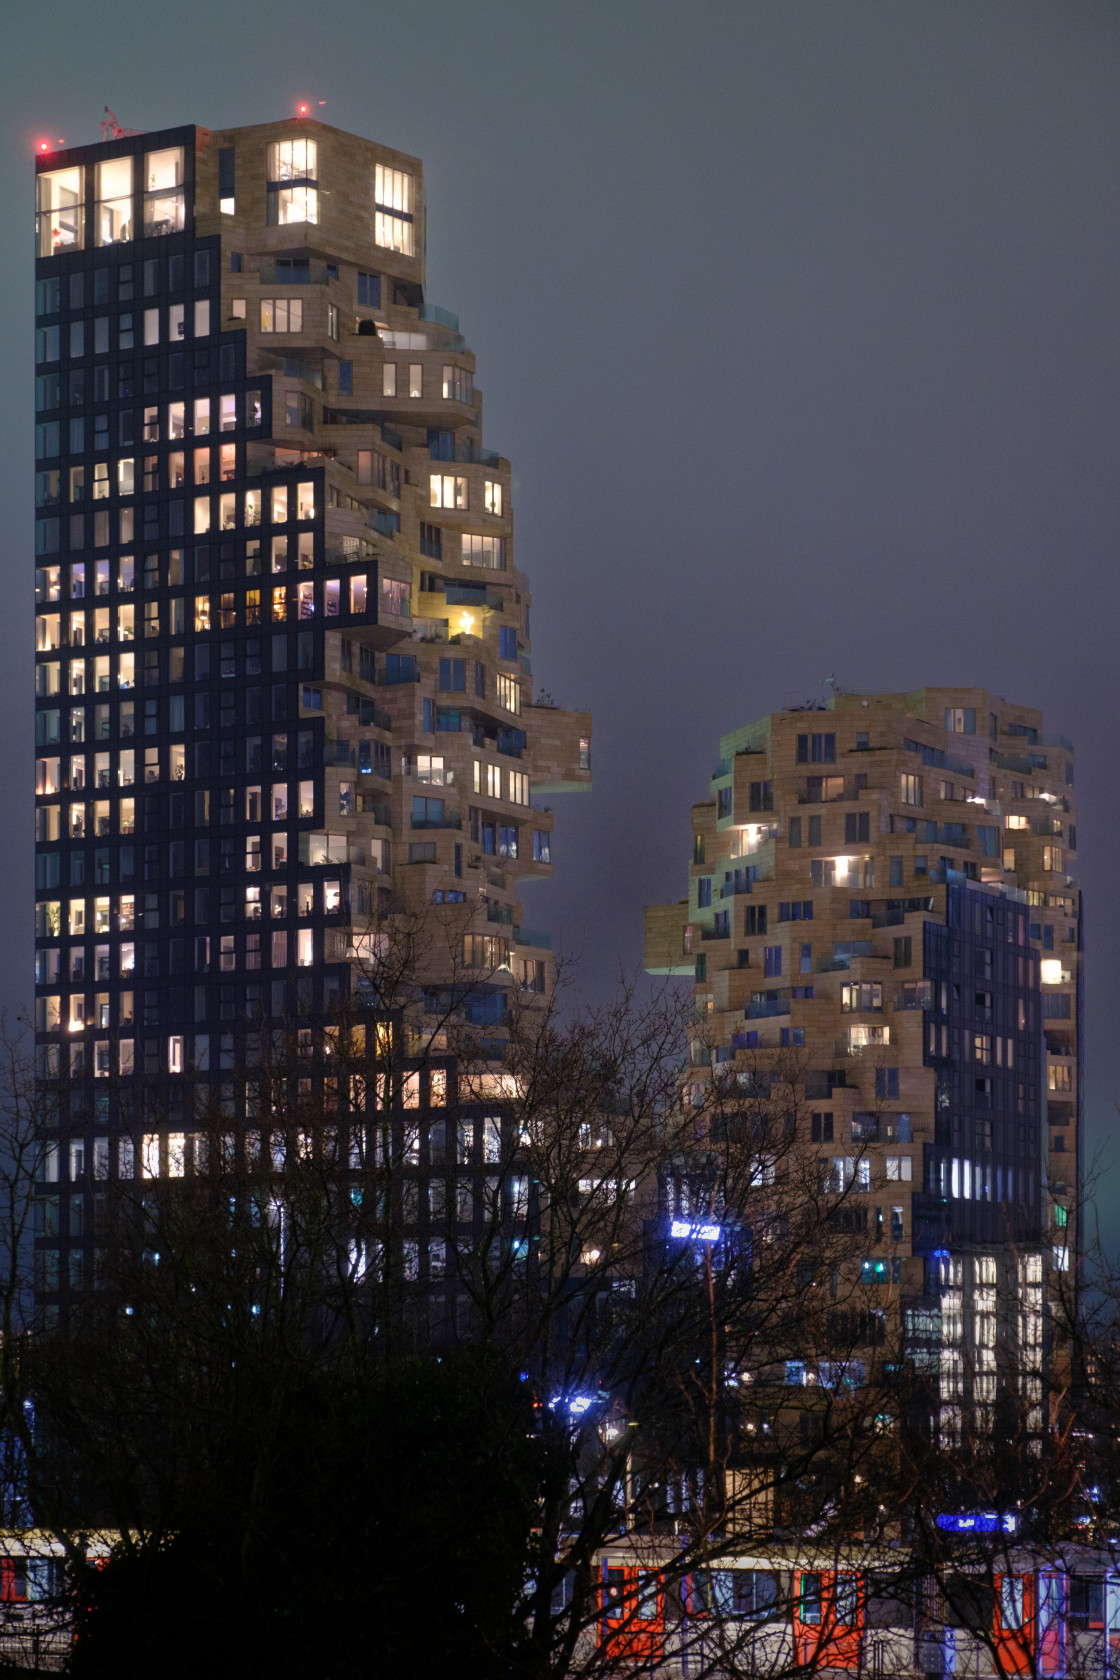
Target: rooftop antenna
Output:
[(830, 682), (110, 127)]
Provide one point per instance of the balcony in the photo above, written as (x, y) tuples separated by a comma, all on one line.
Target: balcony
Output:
[(385, 524), (1018, 763), (295, 272), (450, 819), (767, 1010), (443, 318), (464, 453), (533, 938), (935, 759)]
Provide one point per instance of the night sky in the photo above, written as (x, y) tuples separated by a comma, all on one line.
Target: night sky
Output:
[(797, 320)]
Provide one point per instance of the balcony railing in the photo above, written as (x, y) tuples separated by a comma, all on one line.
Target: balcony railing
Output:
[(309, 273), (442, 317), (533, 937), (448, 820), (464, 453), (766, 1011)]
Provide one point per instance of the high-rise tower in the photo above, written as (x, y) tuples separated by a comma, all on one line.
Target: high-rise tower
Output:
[(282, 644), (880, 904)]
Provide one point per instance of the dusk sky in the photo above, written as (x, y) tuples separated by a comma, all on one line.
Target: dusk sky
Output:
[(798, 321)]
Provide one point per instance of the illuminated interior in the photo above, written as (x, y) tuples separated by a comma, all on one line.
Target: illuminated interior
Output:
[(164, 198), (59, 222), (113, 210)]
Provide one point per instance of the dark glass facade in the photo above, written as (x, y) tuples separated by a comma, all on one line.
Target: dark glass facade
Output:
[(249, 745)]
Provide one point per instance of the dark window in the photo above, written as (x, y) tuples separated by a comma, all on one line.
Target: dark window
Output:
[(431, 541), (821, 1128), (703, 891), (453, 676), (724, 799), (755, 919), (796, 910), (857, 826), (886, 1082), (762, 796)]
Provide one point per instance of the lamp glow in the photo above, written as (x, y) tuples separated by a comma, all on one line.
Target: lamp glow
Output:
[(466, 623)]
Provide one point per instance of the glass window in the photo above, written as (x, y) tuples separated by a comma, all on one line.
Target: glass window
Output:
[(281, 315), (113, 209), (392, 193), (447, 491), (393, 233), (60, 205), (293, 160), (164, 198), (293, 194)]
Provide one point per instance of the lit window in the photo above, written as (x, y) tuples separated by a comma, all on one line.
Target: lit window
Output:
[(164, 198), (60, 203), (507, 691), (281, 315), (911, 789), (293, 191), (392, 222), (458, 384), (447, 491), (492, 496), (484, 551), (113, 210)]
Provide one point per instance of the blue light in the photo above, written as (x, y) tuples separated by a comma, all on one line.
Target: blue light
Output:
[(977, 1522), (576, 1404), (686, 1231)]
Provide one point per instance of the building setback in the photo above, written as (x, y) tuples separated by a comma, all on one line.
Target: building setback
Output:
[(282, 644), (880, 901)]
